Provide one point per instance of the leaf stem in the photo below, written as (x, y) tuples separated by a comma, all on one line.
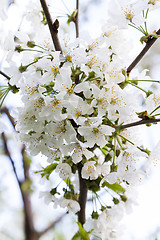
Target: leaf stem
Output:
[(144, 80), (137, 87), (155, 110)]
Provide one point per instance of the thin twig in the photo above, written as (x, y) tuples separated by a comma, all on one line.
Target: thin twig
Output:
[(5, 75), (7, 152), (77, 19), (52, 225), (52, 26), (82, 196), (6, 111), (30, 232), (141, 122), (149, 43)]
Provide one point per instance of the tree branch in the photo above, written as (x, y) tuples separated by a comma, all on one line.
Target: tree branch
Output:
[(6, 150), (52, 225), (141, 122), (77, 19), (6, 111), (149, 43), (52, 26), (30, 232), (82, 196), (5, 75)]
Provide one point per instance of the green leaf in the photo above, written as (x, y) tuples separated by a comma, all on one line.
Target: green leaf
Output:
[(81, 234), (54, 191), (48, 170), (72, 17), (69, 183), (104, 151), (116, 187), (145, 115)]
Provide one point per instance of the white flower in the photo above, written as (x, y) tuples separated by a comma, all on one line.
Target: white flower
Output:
[(153, 103), (63, 83), (72, 205), (3, 9), (95, 135), (76, 151), (105, 168), (89, 170), (85, 88), (46, 195), (64, 170), (23, 37), (124, 11), (114, 71), (154, 158), (50, 67), (53, 109), (14, 73), (9, 44), (76, 107)]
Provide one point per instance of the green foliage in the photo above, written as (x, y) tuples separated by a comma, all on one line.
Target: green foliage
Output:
[(59, 236), (48, 170), (148, 37), (53, 191), (81, 234), (4, 90), (114, 187), (49, 89), (44, 21), (69, 183), (72, 17), (145, 115), (94, 185)]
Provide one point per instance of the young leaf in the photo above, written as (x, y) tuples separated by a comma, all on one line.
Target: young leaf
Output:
[(48, 170), (114, 187), (81, 234)]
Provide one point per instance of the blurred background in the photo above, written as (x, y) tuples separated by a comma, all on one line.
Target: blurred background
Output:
[(143, 220)]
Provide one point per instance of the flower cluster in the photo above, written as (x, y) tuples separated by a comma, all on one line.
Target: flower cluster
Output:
[(74, 104)]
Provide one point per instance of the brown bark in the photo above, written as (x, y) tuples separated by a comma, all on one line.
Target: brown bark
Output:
[(52, 27), (149, 43), (82, 196)]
